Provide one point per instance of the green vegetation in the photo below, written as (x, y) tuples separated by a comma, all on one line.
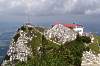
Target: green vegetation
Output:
[(83, 39), (51, 54), (40, 29), (76, 49), (97, 38), (30, 28), (16, 37), (23, 28), (7, 57), (95, 45)]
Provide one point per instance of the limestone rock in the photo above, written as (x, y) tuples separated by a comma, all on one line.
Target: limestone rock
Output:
[(60, 34)]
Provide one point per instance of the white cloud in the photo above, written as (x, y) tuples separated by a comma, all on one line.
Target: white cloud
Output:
[(50, 7), (91, 12)]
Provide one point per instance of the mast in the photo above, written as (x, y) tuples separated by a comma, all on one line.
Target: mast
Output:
[(28, 10)]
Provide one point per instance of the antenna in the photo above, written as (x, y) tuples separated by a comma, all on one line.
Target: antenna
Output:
[(73, 22), (28, 5), (28, 17), (77, 20)]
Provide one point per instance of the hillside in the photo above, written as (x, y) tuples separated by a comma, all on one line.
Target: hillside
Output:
[(31, 47), (95, 46), (92, 56)]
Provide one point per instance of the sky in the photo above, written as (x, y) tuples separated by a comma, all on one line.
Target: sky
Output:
[(86, 12), (50, 7)]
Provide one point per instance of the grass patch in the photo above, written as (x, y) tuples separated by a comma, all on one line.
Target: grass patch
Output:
[(95, 45)]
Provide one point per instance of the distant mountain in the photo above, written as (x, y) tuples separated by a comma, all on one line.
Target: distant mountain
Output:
[(5, 39), (6, 35)]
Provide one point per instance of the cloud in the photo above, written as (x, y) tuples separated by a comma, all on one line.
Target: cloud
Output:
[(49, 7), (91, 12)]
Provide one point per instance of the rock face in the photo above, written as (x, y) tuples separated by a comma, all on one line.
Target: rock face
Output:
[(18, 49), (60, 34), (89, 59)]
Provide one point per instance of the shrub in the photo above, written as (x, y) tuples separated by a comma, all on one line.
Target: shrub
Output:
[(30, 28), (16, 37), (23, 28), (86, 39), (7, 57), (83, 39)]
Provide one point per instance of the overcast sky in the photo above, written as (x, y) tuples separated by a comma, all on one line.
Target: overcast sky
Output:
[(50, 7), (65, 10), (46, 12)]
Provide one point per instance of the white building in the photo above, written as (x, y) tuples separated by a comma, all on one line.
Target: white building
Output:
[(79, 30), (76, 27)]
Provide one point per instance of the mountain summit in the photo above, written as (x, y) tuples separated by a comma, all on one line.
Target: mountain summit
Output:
[(37, 46)]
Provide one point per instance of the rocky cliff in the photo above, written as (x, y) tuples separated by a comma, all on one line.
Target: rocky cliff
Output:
[(18, 50), (61, 34), (90, 59), (35, 46)]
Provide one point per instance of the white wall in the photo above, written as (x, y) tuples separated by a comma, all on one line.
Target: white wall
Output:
[(79, 30)]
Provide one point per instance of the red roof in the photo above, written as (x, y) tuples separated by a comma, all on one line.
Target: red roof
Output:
[(72, 25)]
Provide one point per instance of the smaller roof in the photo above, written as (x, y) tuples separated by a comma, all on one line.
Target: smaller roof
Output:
[(72, 25)]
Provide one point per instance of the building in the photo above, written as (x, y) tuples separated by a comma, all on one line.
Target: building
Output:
[(76, 27), (28, 25)]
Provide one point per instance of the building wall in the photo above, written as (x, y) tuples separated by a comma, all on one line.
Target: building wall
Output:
[(79, 30)]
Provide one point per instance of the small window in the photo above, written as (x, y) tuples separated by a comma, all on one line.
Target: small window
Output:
[(79, 30)]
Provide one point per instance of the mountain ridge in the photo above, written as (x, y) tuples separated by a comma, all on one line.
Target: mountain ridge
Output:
[(31, 46)]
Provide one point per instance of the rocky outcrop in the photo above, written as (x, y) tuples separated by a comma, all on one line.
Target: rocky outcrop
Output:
[(29, 41), (18, 50), (60, 34), (90, 59)]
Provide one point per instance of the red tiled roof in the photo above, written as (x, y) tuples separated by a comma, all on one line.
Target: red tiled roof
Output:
[(72, 25)]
